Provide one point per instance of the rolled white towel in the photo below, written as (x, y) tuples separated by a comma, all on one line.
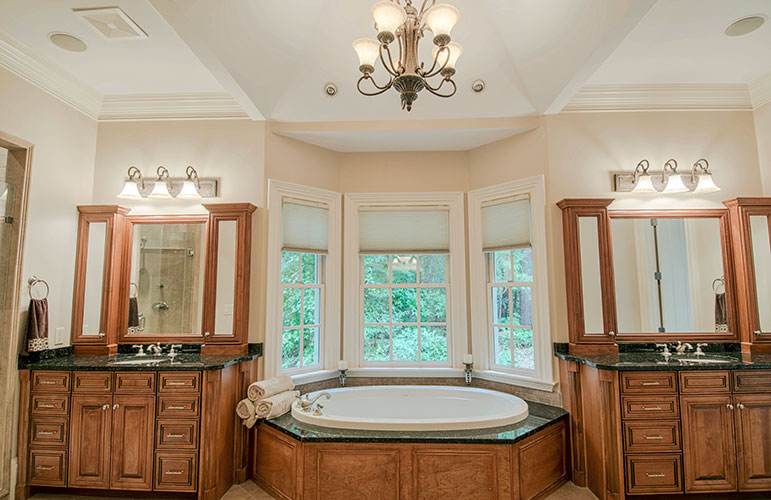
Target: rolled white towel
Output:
[(270, 387), (276, 405), (249, 422), (245, 409)]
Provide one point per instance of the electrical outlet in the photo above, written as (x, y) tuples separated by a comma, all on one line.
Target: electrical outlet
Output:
[(59, 336), (228, 310)]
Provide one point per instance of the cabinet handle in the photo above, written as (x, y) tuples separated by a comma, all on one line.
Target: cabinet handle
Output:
[(740, 406), (174, 472), (655, 475), (105, 407), (654, 437), (46, 405), (651, 383), (177, 408), (175, 435), (48, 382), (115, 406), (652, 408), (43, 467), (45, 433), (729, 406), (176, 383)]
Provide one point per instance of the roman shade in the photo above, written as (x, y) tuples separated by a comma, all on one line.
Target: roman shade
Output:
[(304, 227), (411, 229), (506, 224)]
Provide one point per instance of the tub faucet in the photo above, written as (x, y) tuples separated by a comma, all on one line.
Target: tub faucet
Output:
[(306, 402)]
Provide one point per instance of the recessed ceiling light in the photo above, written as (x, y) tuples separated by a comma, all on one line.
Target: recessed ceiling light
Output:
[(330, 89), (67, 42), (745, 25)]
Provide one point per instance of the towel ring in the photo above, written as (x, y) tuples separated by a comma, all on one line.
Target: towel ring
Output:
[(718, 282), (133, 286), (34, 280)]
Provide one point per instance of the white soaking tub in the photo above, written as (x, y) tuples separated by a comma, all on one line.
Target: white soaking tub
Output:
[(414, 408)]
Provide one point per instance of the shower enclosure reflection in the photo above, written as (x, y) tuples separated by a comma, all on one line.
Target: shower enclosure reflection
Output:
[(166, 290)]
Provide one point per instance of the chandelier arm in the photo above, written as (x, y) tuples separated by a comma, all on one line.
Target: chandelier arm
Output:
[(431, 72), (423, 7), (436, 92), (381, 89), (401, 54), (389, 65)]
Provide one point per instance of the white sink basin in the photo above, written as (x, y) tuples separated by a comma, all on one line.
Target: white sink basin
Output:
[(706, 361), (140, 361)]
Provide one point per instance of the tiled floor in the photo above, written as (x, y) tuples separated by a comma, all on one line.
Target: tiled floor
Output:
[(250, 491)]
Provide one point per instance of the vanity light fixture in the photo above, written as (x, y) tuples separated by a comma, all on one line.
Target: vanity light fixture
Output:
[(701, 175), (674, 182), (130, 189), (642, 181), (190, 186), (161, 189)]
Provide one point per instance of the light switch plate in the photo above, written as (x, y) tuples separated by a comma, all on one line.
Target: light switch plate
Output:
[(59, 336)]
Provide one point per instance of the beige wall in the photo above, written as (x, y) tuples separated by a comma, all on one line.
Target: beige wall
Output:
[(763, 131)]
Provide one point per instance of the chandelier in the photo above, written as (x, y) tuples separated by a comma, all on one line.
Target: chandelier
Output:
[(406, 24)]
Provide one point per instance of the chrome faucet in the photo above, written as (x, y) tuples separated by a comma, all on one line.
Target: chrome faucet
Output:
[(699, 352), (665, 352), (155, 349), (173, 350), (680, 348), (306, 402)]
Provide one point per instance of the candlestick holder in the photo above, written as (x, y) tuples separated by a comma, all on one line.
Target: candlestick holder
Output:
[(342, 377), (467, 372)]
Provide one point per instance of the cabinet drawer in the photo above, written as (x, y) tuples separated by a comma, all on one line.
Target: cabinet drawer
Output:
[(48, 431), (50, 404), (175, 471), (173, 382), (647, 474), (752, 380), (645, 407), (179, 406), (655, 436), (176, 434), (135, 382), (92, 382), (47, 467), (648, 383), (705, 382), (50, 381)]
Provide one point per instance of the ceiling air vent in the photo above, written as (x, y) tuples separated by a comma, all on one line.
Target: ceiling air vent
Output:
[(112, 23)]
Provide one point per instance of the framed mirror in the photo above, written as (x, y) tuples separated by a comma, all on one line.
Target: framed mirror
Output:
[(673, 275), (760, 236), (165, 268)]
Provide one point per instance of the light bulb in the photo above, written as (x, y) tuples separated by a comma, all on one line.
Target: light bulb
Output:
[(160, 191), (456, 50), (675, 184), (441, 19), (130, 191), (189, 191), (389, 17), (706, 184), (644, 185), (368, 50)]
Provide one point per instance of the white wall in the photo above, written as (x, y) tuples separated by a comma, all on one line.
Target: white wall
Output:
[(762, 117)]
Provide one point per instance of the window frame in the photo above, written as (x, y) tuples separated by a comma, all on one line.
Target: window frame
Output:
[(329, 334), (457, 336), (542, 376)]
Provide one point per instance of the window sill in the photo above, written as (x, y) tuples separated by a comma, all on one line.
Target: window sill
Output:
[(317, 376), (515, 379), (408, 372)]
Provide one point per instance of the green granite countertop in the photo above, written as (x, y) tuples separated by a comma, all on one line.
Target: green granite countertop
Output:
[(190, 359), (540, 417), (645, 358)]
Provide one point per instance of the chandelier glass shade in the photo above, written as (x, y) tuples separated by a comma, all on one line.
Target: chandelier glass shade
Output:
[(404, 26)]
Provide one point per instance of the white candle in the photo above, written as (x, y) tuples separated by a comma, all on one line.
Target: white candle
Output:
[(467, 359), (342, 365)]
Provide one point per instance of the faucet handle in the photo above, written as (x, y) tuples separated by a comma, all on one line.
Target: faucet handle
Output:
[(141, 348)]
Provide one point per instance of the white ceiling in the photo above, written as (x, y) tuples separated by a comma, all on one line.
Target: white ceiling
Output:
[(271, 59)]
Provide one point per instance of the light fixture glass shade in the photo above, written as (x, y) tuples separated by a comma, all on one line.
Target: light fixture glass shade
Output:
[(160, 191), (130, 191), (456, 50), (706, 184), (675, 184), (389, 16), (368, 50), (189, 191), (644, 185), (441, 19)]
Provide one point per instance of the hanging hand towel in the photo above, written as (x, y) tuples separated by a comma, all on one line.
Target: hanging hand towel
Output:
[(133, 316), (721, 313), (268, 388), (277, 405), (37, 326)]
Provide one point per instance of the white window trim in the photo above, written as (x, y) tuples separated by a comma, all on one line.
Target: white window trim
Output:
[(458, 335), (329, 353), (542, 377)]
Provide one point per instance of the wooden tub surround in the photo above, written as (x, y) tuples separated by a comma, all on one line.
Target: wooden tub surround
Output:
[(525, 461)]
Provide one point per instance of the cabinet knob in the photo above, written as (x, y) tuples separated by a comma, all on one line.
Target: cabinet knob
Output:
[(101, 335), (729, 406), (758, 333), (105, 407), (612, 333), (206, 334), (115, 406), (740, 406)]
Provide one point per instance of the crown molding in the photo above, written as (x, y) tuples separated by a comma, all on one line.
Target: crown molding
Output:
[(674, 97), (760, 91), (52, 78), (190, 106)]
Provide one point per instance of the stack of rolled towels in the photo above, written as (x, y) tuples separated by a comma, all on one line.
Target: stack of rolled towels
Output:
[(269, 398)]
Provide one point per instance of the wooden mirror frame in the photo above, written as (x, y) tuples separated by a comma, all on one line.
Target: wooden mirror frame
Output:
[(607, 343), (125, 282)]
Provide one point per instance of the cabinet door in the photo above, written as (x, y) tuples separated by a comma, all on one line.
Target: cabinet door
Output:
[(133, 429), (709, 444), (753, 434), (90, 427)]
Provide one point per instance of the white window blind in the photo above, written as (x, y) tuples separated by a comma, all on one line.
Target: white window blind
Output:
[(506, 224), (304, 227), (404, 230)]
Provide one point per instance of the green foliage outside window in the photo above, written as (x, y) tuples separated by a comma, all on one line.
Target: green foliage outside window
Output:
[(301, 289), (511, 278)]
